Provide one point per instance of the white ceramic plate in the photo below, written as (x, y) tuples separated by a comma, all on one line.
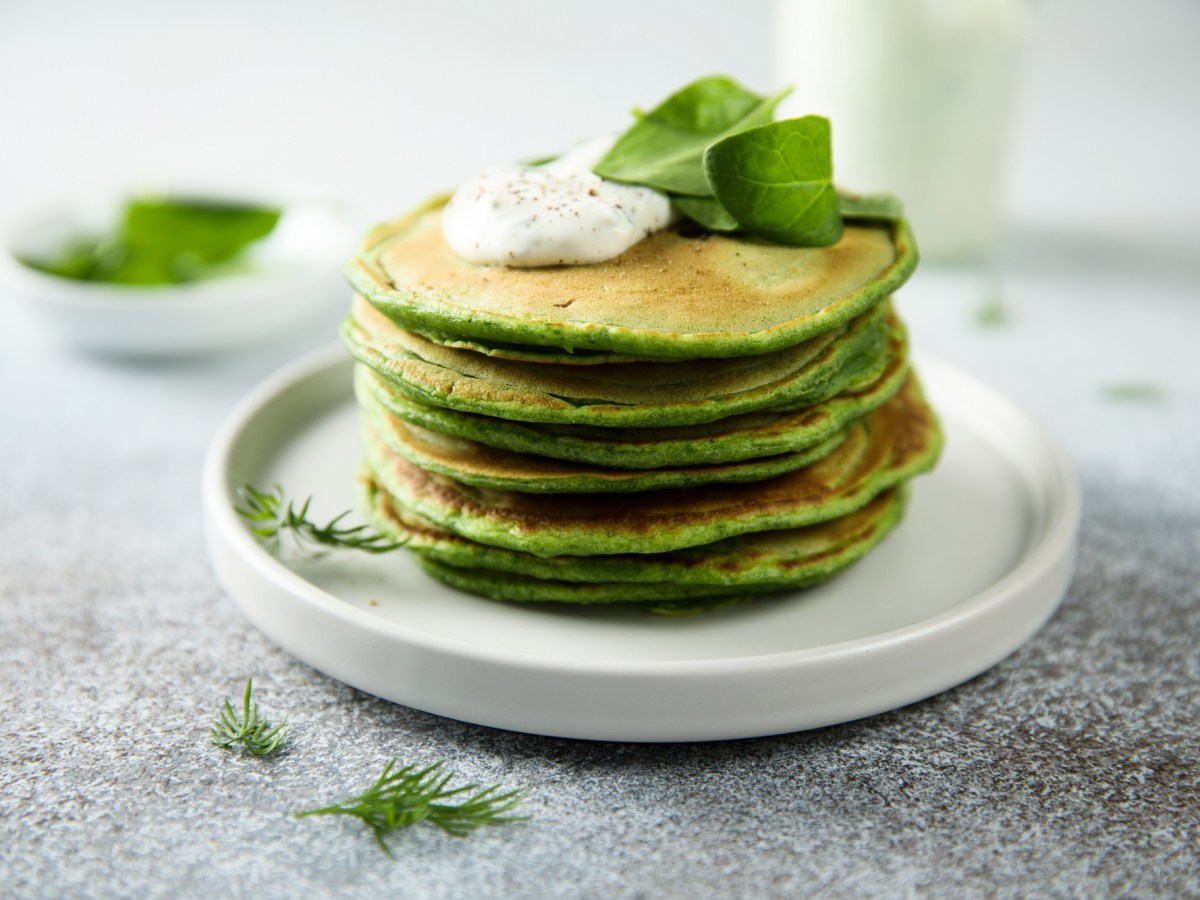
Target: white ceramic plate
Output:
[(294, 277), (981, 561)]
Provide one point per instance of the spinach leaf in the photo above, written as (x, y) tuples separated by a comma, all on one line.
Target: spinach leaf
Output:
[(163, 241), (212, 232), (79, 259), (707, 212), (879, 207), (776, 180), (665, 147)]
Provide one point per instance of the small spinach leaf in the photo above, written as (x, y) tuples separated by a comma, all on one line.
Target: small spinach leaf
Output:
[(776, 180), (707, 212), (880, 207), (665, 147)]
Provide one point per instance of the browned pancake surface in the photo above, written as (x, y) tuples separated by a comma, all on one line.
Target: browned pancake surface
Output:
[(669, 283)]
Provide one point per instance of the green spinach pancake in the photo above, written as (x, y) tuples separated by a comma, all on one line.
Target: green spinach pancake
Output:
[(704, 417), (891, 445), (755, 562), (674, 295)]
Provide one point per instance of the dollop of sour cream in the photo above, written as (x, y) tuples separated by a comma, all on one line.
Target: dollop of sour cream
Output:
[(560, 213)]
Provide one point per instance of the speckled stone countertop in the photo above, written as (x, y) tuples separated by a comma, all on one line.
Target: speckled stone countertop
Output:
[(1071, 768)]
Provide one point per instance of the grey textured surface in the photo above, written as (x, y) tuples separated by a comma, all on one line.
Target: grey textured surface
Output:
[(1071, 768)]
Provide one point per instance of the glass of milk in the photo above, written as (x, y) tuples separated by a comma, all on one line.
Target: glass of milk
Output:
[(919, 94)]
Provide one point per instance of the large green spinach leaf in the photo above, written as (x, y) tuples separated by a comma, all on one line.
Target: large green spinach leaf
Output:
[(776, 180), (664, 149)]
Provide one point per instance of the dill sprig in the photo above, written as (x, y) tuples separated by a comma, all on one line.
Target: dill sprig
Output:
[(252, 730), (409, 794), (272, 514)]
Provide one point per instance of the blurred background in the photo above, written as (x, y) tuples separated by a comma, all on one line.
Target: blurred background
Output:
[(1047, 151), (385, 102)]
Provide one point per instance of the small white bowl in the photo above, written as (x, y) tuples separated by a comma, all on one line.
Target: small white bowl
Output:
[(295, 275)]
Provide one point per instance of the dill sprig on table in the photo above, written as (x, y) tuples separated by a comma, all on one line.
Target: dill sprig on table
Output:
[(272, 514), (252, 730), (409, 794)]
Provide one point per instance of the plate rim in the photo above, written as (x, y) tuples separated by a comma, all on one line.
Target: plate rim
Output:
[(1050, 556)]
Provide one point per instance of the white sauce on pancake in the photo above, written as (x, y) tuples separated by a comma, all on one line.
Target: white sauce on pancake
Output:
[(560, 213)]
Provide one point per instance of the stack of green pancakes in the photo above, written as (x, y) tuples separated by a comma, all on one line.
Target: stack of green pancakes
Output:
[(704, 417)]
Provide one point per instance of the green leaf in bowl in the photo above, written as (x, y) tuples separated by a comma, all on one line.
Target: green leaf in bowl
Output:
[(163, 241), (213, 232)]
